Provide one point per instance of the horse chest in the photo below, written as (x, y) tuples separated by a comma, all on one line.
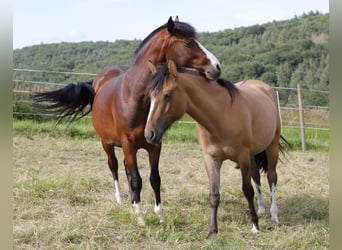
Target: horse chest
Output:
[(220, 150)]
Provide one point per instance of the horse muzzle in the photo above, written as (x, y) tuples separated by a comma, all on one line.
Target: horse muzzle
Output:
[(213, 73), (152, 136)]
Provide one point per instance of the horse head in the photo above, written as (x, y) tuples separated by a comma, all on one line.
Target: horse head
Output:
[(177, 41), (168, 102)]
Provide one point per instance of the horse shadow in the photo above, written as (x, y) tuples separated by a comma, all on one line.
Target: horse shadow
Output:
[(304, 208), (294, 210)]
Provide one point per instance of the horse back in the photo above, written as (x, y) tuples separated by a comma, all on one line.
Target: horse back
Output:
[(257, 93), (107, 75)]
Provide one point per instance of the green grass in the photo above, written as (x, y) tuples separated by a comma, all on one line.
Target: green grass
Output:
[(183, 131)]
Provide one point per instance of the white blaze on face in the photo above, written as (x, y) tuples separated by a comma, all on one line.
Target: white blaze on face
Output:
[(153, 102), (214, 61)]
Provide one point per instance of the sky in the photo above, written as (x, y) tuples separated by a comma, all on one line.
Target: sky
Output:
[(44, 21)]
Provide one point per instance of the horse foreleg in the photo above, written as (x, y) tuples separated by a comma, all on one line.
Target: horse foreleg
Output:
[(154, 153), (128, 175), (113, 166), (130, 154), (213, 167), (249, 193)]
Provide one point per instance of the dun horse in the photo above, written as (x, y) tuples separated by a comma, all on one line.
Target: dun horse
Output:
[(241, 124), (119, 109)]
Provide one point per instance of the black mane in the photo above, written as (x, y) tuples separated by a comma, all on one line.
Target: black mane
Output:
[(158, 79), (161, 76), (232, 89), (180, 29)]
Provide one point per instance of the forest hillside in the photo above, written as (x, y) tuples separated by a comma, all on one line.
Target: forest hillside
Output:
[(281, 53)]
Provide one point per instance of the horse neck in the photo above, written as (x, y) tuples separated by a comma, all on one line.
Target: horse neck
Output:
[(151, 51), (207, 100), (139, 72)]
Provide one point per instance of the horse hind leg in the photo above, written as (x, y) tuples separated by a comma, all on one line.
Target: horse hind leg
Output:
[(272, 156), (260, 196), (113, 166)]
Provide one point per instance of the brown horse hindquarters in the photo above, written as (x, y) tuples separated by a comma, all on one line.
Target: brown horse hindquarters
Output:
[(260, 100), (107, 75), (266, 137), (103, 118)]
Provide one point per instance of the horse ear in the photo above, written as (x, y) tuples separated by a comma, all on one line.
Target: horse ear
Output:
[(172, 68), (152, 67), (170, 25), (176, 19)]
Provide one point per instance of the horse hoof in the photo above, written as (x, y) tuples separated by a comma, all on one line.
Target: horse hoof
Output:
[(255, 229), (212, 232), (261, 211), (275, 219), (141, 222), (118, 199)]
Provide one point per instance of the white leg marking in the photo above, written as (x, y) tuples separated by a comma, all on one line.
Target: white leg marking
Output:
[(274, 208), (153, 101), (159, 211), (254, 229), (141, 221), (117, 192), (214, 61), (261, 201)]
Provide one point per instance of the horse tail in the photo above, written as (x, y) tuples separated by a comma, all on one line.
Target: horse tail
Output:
[(261, 158), (73, 100), (261, 161), (284, 145)]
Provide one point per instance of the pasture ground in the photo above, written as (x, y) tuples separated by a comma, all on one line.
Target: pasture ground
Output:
[(64, 199)]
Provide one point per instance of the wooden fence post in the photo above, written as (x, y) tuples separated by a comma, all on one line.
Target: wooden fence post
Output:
[(301, 117)]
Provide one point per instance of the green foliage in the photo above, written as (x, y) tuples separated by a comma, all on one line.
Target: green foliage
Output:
[(283, 53)]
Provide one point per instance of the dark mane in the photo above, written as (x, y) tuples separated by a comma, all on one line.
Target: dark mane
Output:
[(232, 89), (161, 76), (180, 29), (158, 80)]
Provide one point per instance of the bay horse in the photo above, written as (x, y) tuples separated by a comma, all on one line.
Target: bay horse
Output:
[(241, 124), (119, 109)]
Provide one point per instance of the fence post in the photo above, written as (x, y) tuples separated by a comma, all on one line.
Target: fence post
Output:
[(301, 117)]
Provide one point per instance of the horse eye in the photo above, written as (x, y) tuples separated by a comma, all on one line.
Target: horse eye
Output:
[(167, 96), (189, 44)]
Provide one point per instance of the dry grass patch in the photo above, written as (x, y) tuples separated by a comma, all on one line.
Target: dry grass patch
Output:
[(64, 199)]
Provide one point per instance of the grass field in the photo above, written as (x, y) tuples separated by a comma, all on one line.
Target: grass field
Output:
[(64, 197)]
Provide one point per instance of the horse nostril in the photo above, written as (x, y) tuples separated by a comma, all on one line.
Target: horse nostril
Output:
[(152, 135), (149, 135), (218, 67)]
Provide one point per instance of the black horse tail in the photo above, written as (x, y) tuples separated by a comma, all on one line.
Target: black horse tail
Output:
[(261, 158), (284, 145), (73, 100)]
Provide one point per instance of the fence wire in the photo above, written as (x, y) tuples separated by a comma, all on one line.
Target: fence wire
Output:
[(316, 116)]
